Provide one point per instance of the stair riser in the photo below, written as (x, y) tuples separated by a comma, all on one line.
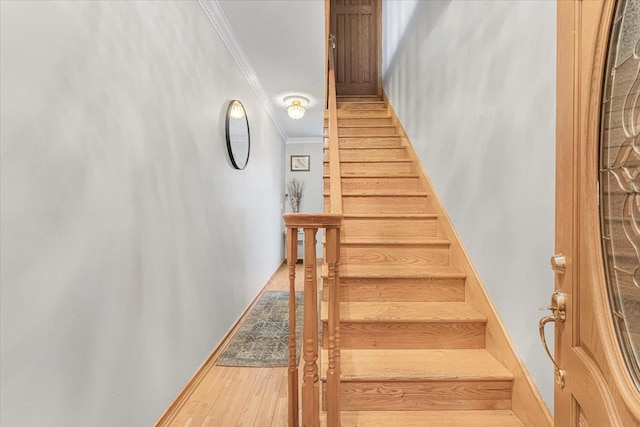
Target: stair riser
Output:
[(384, 205), (371, 142), (369, 154), (361, 106), (376, 121), (386, 184), (396, 289), (364, 168), (423, 395), (361, 121), (362, 114), (368, 131), (389, 228), (395, 255), (409, 335), (409, 292)]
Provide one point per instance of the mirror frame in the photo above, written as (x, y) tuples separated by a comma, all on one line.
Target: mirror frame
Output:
[(234, 163)]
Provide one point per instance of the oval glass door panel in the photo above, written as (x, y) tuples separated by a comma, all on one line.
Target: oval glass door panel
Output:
[(238, 138), (620, 179)]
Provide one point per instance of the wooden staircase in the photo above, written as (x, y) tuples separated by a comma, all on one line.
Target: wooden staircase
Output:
[(421, 343)]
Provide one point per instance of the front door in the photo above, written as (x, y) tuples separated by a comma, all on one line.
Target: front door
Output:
[(356, 25), (597, 347)]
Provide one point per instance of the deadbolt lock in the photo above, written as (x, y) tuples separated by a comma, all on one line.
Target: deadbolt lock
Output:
[(559, 263)]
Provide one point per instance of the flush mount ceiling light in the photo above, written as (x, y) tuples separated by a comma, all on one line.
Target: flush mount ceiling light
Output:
[(296, 104)]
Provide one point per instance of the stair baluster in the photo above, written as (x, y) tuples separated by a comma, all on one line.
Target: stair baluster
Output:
[(332, 284), (310, 388), (292, 258), (310, 381)]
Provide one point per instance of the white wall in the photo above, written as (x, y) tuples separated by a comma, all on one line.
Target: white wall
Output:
[(313, 200), (129, 245), (473, 83)]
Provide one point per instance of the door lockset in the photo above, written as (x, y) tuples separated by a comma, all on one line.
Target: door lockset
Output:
[(558, 314)]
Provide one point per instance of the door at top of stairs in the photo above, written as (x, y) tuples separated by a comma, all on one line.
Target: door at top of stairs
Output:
[(356, 25)]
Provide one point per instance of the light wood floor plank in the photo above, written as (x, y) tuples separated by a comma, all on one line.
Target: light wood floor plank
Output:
[(241, 396)]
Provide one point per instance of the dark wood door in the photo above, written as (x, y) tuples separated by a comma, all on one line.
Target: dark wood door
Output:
[(356, 25)]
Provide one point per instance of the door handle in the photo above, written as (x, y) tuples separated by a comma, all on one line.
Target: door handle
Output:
[(558, 314)]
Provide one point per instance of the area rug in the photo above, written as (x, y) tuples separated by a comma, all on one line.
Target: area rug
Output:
[(263, 338)]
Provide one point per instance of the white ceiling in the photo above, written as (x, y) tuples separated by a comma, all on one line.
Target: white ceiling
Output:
[(284, 43)]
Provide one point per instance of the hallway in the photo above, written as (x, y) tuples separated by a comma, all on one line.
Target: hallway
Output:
[(130, 245)]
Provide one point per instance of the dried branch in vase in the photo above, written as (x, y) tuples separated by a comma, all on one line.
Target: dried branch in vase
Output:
[(295, 190)]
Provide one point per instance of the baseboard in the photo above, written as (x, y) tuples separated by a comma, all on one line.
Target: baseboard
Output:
[(173, 409)]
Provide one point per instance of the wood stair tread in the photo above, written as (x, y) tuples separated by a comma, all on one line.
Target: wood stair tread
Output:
[(402, 311), (382, 193), (374, 161), (369, 135), (376, 137), (390, 216), (419, 365), (381, 147), (383, 240), (342, 100), (363, 112), (373, 175), (466, 418), (384, 138), (367, 125), (404, 272)]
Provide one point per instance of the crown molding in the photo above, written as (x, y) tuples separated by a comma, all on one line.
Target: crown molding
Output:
[(219, 20)]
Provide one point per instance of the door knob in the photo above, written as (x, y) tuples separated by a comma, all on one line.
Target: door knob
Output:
[(558, 314), (559, 263)]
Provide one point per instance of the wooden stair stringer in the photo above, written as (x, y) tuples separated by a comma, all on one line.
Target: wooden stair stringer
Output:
[(527, 403)]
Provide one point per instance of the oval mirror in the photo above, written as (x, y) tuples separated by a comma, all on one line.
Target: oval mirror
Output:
[(238, 139)]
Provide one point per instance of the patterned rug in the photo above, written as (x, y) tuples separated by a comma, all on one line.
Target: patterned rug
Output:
[(263, 338)]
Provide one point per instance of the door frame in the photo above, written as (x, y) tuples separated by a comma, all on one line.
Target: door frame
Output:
[(599, 378)]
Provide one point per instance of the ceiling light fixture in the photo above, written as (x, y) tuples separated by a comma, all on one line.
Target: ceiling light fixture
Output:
[(296, 104)]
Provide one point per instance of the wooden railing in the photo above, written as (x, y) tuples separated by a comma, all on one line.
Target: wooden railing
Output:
[(335, 183), (310, 223)]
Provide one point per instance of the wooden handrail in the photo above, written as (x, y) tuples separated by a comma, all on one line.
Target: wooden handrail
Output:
[(332, 247), (310, 223), (335, 182)]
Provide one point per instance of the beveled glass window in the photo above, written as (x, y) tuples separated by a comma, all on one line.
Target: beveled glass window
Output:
[(620, 179)]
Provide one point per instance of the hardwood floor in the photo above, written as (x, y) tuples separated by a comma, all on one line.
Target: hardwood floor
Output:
[(238, 396)]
